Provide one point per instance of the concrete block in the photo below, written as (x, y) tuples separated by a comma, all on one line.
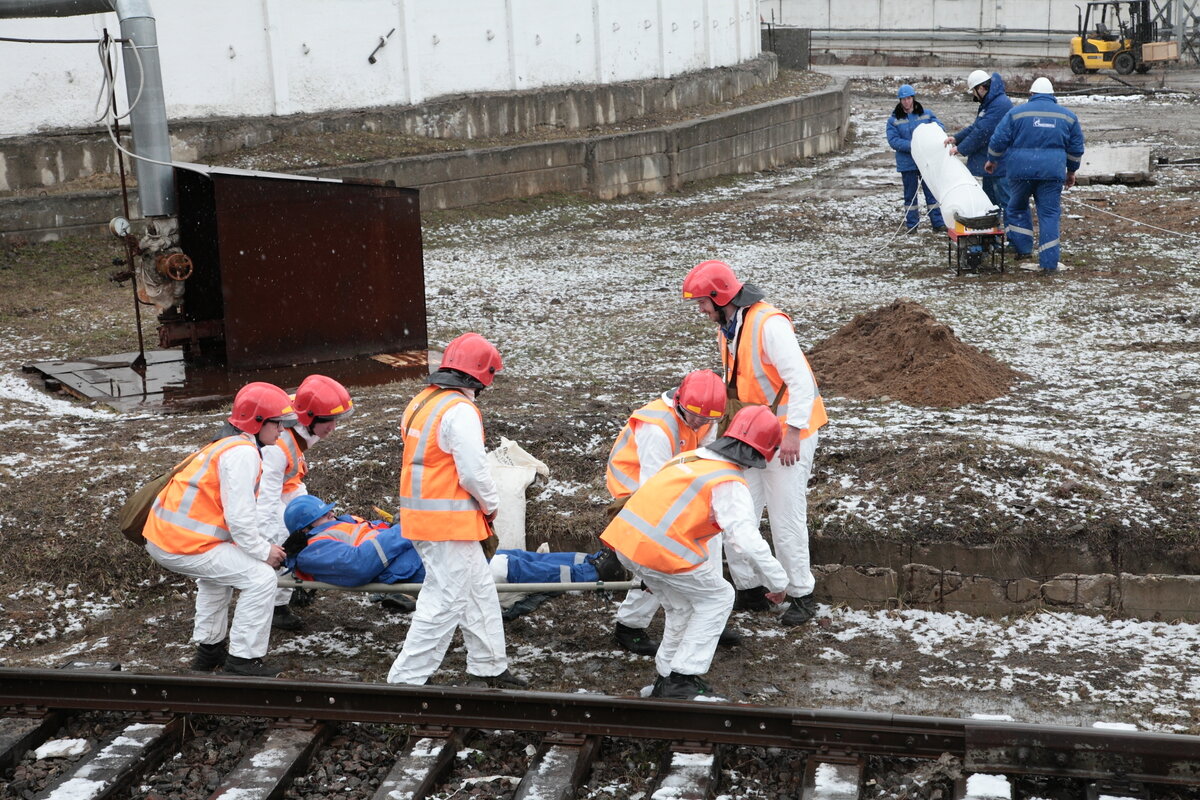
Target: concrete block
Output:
[(1023, 591), (1116, 160), (1083, 592), (857, 585), (974, 594), (1004, 562), (1161, 597), (921, 585)]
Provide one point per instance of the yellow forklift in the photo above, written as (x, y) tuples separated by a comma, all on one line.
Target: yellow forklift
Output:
[(1119, 35)]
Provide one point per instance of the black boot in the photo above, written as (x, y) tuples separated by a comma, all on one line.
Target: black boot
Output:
[(284, 620), (682, 687), (635, 640), (400, 603), (505, 680), (800, 610), (209, 656), (608, 566), (752, 599), (729, 638), (251, 667), (302, 598)]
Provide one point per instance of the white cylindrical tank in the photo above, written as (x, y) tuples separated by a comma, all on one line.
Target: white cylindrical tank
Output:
[(958, 193)]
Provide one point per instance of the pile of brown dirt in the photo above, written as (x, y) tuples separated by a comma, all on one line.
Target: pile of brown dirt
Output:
[(900, 351)]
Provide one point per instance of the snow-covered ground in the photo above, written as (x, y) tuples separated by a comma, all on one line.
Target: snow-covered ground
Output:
[(583, 300)]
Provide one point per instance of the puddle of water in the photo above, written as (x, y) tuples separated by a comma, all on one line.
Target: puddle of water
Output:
[(167, 383)]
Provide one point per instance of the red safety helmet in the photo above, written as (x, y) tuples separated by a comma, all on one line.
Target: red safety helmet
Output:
[(259, 402), (473, 355), (319, 396), (713, 279), (702, 392), (758, 427)]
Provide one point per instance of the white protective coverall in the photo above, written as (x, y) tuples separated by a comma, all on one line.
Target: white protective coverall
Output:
[(654, 449), (458, 591), (272, 501), (783, 491), (698, 603), (239, 564)]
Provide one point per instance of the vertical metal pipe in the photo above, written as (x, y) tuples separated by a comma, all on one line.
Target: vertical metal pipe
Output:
[(156, 182)]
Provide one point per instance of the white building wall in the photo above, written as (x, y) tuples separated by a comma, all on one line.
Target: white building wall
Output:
[(212, 63), (262, 57), (920, 14), (627, 39), (550, 47)]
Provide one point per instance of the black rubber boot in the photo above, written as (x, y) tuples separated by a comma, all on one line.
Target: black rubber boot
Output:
[(505, 680), (682, 687), (302, 598), (400, 603), (251, 667), (729, 638), (209, 656), (751, 599), (635, 640), (285, 620), (608, 566), (800, 610)]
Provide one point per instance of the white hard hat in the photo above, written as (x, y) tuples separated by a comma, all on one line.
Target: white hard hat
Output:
[(1041, 86), (975, 78)]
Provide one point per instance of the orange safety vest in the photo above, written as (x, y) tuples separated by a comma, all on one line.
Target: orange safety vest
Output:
[(758, 381), (353, 534), (187, 517), (433, 504), (625, 465), (297, 466), (657, 530)]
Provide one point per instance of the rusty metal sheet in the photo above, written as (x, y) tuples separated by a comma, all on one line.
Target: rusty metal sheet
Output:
[(306, 271)]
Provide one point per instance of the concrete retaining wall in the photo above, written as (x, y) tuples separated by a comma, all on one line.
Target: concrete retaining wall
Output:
[(746, 140), (30, 162), (740, 141), (1149, 597)]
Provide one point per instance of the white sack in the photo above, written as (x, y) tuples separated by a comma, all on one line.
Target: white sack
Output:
[(513, 469), (956, 190)]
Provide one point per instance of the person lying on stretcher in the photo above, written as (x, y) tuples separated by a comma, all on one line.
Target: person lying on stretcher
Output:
[(349, 551)]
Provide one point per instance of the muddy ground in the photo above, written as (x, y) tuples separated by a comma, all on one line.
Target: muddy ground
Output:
[(1092, 446)]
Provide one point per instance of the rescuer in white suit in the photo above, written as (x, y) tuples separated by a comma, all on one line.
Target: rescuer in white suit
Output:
[(764, 364), (448, 499)]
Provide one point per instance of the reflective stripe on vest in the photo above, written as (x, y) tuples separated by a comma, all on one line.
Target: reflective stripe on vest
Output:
[(624, 462), (674, 540), (353, 534), (454, 517), (759, 382), (197, 522), (297, 466)]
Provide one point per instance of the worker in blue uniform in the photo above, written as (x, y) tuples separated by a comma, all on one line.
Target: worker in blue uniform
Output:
[(349, 551), (905, 118), (972, 141), (1042, 145)]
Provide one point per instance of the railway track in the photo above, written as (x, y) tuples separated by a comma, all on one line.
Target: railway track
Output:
[(282, 738)]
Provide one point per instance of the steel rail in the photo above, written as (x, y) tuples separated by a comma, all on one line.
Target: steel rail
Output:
[(983, 745)]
